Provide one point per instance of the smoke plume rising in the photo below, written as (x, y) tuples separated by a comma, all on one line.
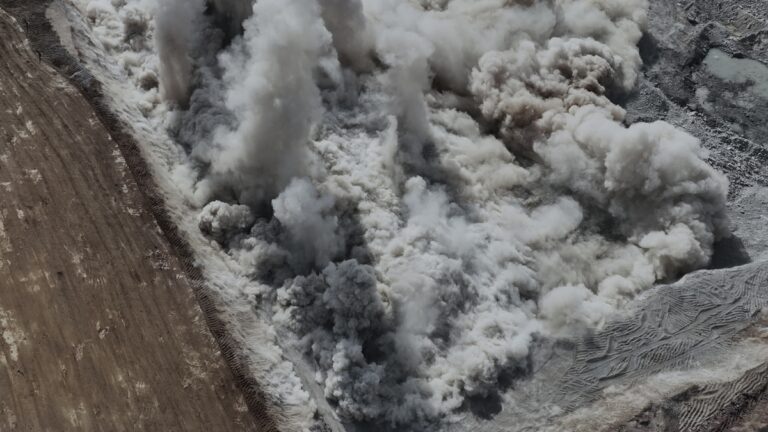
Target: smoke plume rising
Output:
[(423, 188)]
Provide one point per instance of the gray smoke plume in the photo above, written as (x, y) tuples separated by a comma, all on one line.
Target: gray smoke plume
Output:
[(425, 187), (176, 36)]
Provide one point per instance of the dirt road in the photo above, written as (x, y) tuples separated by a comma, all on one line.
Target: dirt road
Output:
[(99, 326)]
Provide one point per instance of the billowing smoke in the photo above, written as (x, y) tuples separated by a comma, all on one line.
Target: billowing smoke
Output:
[(274, 66), (426, 187), (230, 14), (176, 37)]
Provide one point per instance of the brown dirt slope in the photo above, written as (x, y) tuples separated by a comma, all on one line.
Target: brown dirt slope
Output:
[(99, 326)]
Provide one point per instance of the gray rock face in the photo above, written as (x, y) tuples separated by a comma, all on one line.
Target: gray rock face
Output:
[(685, 84), (706, 70)]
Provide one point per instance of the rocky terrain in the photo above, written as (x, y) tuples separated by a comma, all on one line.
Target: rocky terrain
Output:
[(705, 70), (691, 358)]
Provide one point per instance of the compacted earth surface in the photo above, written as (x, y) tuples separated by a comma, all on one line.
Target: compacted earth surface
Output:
[(100, 328)]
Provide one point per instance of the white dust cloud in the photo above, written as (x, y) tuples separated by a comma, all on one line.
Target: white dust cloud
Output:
[(425, 187)]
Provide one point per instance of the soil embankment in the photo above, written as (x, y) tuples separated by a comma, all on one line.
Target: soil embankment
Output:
[(100, 328)]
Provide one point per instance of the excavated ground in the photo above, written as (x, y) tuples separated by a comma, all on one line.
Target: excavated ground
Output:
[(100, 328)]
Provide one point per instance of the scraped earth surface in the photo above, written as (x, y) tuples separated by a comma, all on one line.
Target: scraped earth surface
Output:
[(99, 327)]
